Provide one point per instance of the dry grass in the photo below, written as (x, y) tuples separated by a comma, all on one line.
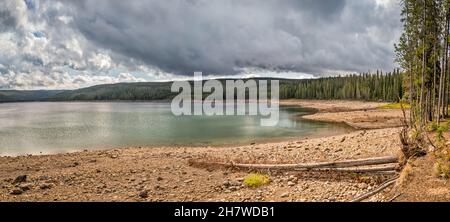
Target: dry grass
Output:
[(395, 106), (405, 175)]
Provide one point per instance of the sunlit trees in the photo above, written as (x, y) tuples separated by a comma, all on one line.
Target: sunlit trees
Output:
[(366, 86)]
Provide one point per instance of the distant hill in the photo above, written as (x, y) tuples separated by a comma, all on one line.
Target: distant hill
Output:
[(119, 91), (27, 95), (370, 87)]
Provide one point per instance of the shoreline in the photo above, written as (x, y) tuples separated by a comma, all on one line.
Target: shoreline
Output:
[(161, 174)]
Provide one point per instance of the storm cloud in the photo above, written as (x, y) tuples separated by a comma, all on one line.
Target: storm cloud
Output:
[(78, 43)]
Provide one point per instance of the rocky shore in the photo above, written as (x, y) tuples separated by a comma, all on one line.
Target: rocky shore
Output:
[(164, 173)]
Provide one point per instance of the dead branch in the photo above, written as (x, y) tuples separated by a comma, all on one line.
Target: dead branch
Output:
[(387, 169), (375, 191)]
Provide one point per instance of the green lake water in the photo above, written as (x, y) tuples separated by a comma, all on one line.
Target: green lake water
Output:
[(45, 127)]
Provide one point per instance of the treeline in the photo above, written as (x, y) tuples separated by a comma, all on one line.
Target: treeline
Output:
[(371, 87)]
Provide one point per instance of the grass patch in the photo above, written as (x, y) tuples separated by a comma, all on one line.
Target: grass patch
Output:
[(255, 180), (442, 170), (406, 173), (395, 106)]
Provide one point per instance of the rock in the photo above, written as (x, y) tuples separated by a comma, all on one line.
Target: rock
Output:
[(362, 186), (25, 187), (159, 178), (343, 139), (114, 156), (188, 181), (226, 183), (292, 178), (45, 186), (20, 179), (235, 183), (290, 183), (241, 179), (143, 194), (16, 192), (284, 195)]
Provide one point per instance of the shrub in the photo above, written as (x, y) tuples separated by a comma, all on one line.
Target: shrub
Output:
[(432, 126), (255, 180), (440, 130), (442, 170)]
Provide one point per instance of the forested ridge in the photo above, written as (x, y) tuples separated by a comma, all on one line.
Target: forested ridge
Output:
[(370, 87)]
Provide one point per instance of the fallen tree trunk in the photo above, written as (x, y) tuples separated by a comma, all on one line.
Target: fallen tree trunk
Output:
[(391, 169), (310, 166), (375, 191), (359, 165)]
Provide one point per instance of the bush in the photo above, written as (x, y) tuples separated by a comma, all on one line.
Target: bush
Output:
[(442, 170), (432, 126), (255, 180), (440, 130)]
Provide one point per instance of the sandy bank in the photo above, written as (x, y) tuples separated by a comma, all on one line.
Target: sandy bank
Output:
[(360, 115)]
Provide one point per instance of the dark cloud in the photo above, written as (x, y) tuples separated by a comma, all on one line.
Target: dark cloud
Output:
[(65, 43), (220, 36)]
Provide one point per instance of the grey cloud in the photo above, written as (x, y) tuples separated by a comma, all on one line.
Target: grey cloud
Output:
[(77, 43), (12, 15), (220, 36)]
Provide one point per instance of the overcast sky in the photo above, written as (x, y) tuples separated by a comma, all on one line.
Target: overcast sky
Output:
[(69, 44)]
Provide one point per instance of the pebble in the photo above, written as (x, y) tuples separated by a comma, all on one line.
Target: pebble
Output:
[(20, 179), (25, 187), (143, 194), (16, 192), (45, 186), (284, 195)]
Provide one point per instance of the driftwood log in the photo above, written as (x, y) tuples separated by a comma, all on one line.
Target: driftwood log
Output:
[(387, 169), (327, 166), (375, 191)]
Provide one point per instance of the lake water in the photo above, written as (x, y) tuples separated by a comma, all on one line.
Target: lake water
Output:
[(34, 128)]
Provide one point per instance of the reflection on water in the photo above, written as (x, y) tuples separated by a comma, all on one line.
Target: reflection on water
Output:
[(66, 126)]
